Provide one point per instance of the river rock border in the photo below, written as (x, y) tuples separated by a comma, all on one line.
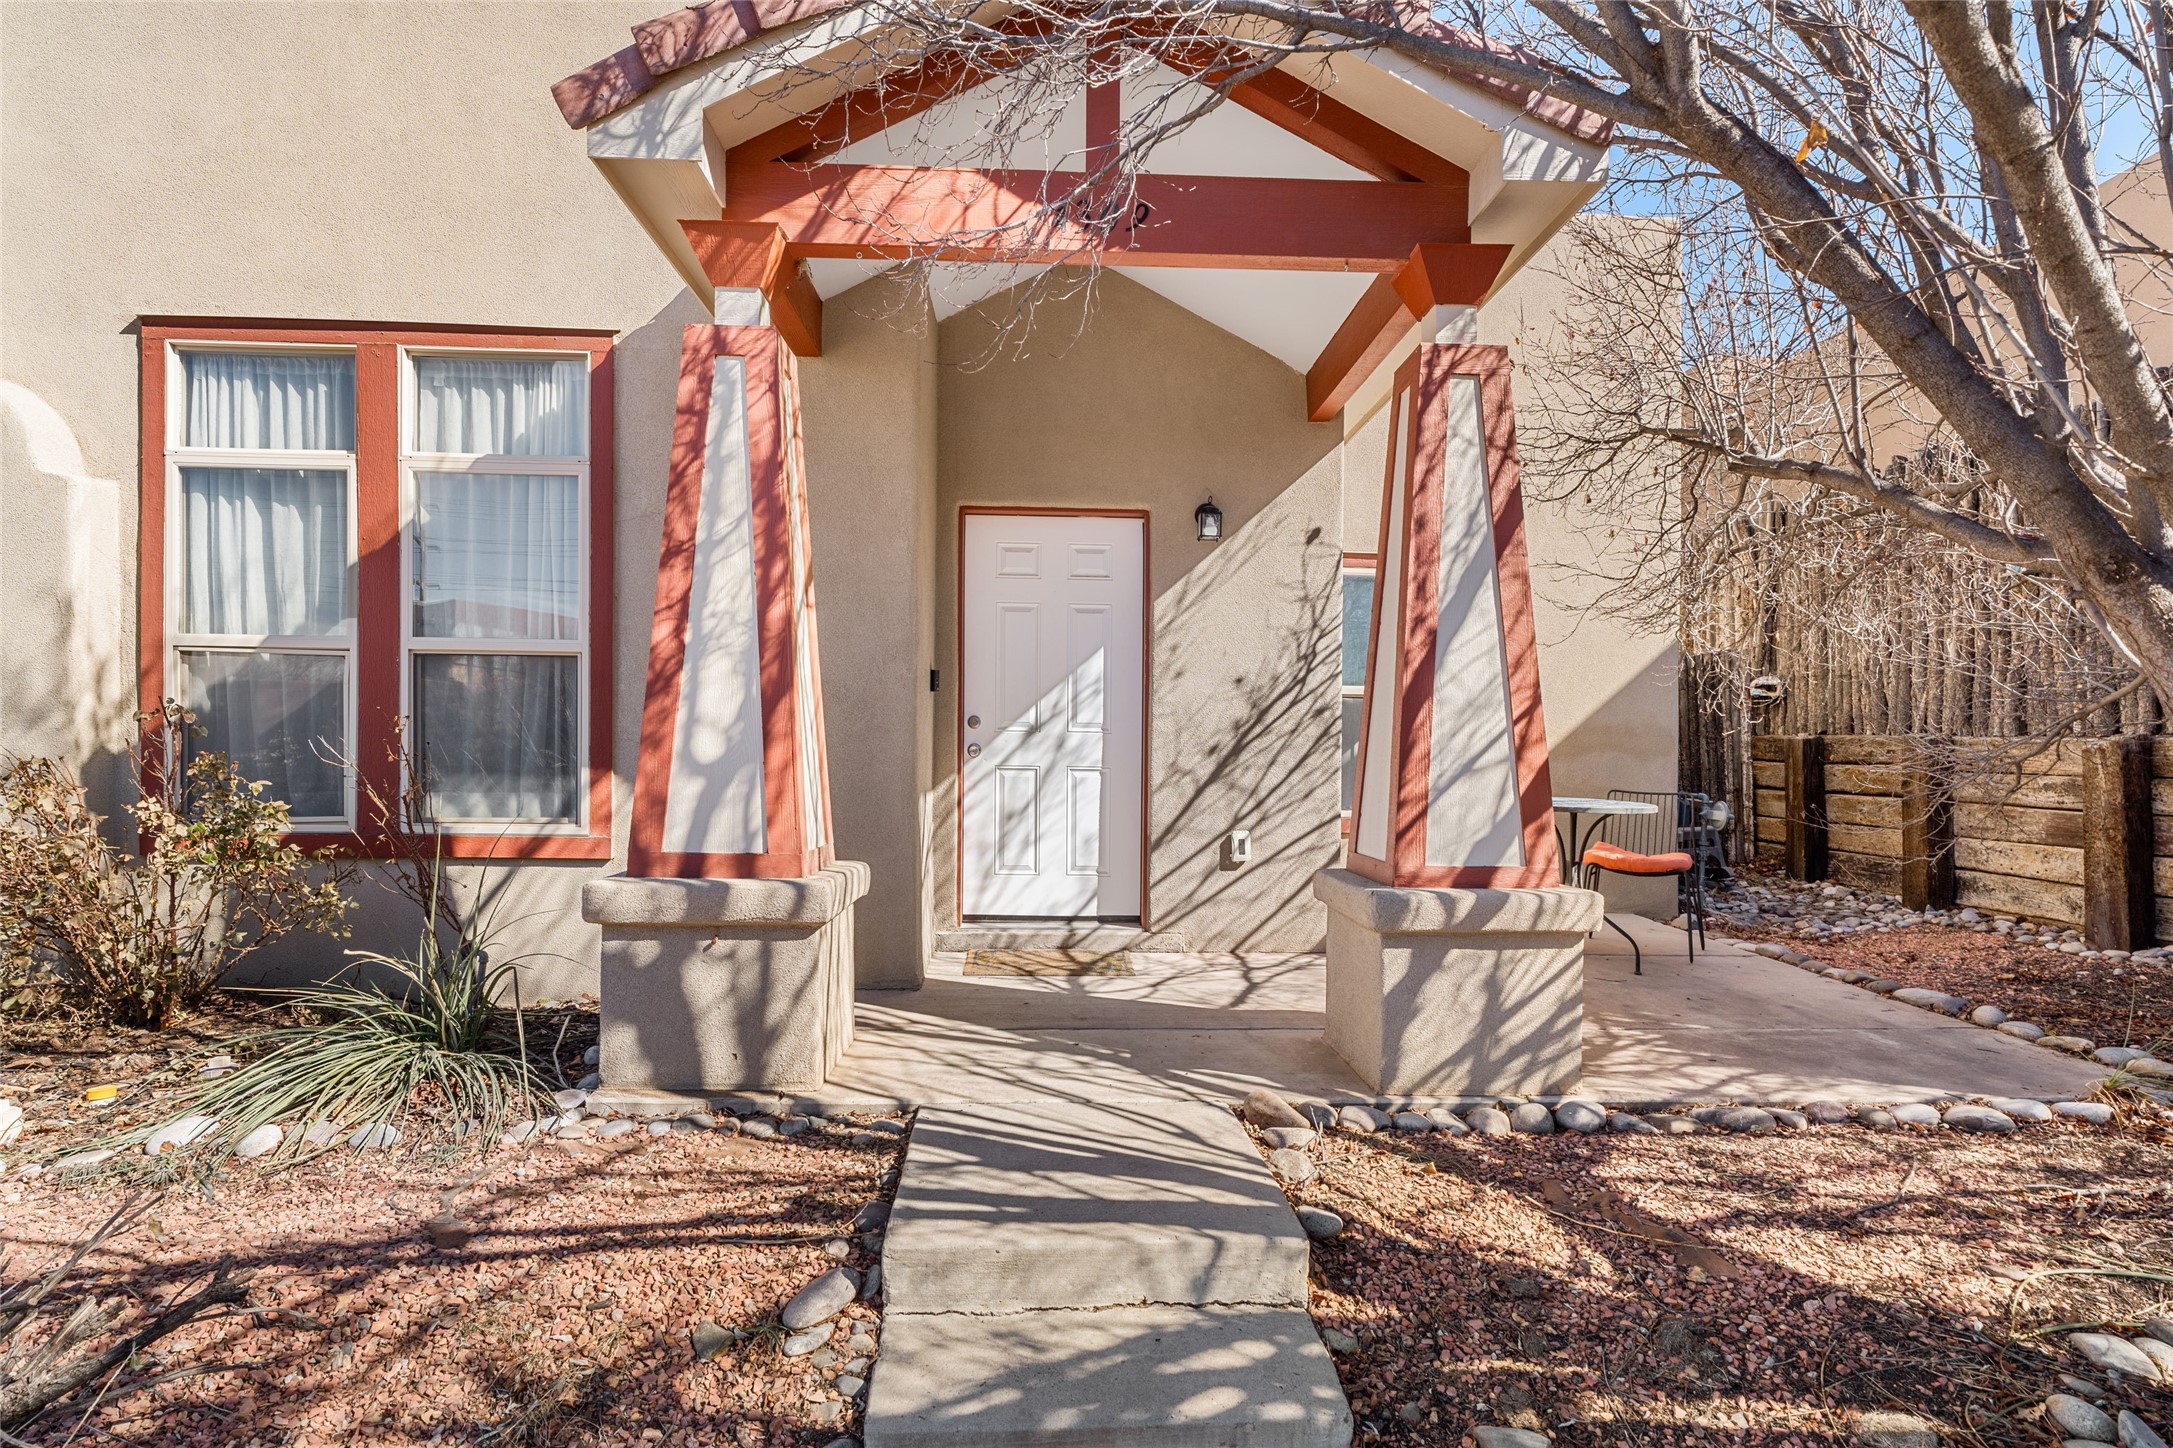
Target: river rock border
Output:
[(2142, 1070), (582, 1117), (1290, 1128)]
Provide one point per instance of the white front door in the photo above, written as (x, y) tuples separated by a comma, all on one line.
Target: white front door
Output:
[(1052, 687)]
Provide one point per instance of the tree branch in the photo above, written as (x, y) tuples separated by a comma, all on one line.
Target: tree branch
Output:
[(2019, 550)]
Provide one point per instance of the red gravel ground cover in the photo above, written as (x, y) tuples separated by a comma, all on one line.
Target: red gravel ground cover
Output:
[(1870, 1277), (2111, 1002), (550, 1303)]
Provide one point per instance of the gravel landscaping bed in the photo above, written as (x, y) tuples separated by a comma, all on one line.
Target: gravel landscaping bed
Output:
[(547, 1295), (1828, 1285), (705, 1279), (2042, 974)]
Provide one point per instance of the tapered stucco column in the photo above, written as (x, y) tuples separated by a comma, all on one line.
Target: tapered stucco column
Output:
[(727, 958), (1452, 824)]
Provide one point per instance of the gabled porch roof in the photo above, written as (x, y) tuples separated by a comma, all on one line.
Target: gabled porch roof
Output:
[(742, 111)]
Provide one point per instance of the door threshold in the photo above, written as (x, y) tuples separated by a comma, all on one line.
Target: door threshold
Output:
[(1056, 935)]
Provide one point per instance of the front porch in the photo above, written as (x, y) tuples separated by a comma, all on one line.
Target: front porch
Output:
[(1088, 650), (1731, 1025)]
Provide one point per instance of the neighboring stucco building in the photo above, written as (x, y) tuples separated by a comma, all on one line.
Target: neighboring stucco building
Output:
[(492, 351)]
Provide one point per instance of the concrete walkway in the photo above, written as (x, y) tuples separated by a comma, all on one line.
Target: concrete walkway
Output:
[(1123, 1272), (1086, 1248), (1731, 1025)]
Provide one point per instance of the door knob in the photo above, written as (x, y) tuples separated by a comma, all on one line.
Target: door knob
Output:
[(973, 751), (973, 721)]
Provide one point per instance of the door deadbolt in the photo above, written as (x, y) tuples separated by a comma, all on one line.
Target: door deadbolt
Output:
[(973, 721), (973, 751)]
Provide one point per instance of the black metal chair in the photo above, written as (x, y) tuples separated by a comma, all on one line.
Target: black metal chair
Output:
[(1673, 840)]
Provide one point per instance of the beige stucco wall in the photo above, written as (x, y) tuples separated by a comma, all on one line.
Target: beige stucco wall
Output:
[(1146, 406), (871, 461), (402, 162), (62, 673), (375, 161)]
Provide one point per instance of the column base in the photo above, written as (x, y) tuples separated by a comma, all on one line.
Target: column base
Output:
[(1457, 992), (720, 985)]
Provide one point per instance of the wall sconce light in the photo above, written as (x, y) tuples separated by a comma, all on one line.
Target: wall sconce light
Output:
[(1209, 519)]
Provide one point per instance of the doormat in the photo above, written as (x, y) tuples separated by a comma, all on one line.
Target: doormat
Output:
[(1048, 962)]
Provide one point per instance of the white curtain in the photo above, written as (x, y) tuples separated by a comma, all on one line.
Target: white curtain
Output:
[(279, 717), (264, 551), (498, 734), (286, 401), (497, 556), (503, 405)]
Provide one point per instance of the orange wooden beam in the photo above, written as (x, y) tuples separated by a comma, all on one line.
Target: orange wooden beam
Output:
[(1432, 276), (1361, 344), (796, 311), (821, 134), (1315, 117), (754, 255), (1104, 117), (1275, 223), (1275, 96), (893, 98)]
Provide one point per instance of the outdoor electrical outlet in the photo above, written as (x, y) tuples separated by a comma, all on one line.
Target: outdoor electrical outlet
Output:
[(1240, 846)]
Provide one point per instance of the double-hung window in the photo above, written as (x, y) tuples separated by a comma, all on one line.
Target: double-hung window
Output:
[(369, 544), (260, 471), (494, 481)]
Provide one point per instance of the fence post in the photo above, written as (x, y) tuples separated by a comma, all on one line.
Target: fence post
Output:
[(2118, 908), (1927, 839), (1805, 758)]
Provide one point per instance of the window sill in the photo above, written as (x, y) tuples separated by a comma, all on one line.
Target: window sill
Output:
[(477, 846)]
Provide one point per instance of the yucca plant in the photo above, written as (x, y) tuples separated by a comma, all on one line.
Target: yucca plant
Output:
[(390, 1037)]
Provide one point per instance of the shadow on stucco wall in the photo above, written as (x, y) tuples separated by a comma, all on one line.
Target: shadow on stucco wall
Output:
[(1254, 762), (65, 688), (1138, 404)]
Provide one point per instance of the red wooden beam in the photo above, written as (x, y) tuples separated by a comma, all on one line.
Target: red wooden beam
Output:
[(1432, 276), (888, 101), (963, 215), (754, 255), (1313, 116), (1104, 117), (1350, 136), (1275, 96), (821, 134)]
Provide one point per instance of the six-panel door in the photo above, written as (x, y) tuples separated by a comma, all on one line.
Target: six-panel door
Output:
[(1052, 687)]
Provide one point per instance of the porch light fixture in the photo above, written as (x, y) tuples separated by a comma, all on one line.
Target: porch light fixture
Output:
[(1209, 519)]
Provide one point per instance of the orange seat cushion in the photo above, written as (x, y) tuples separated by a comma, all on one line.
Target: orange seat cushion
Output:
[(1629, 862)]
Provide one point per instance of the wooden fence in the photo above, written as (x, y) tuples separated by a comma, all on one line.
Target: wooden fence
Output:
[(2080, 833)]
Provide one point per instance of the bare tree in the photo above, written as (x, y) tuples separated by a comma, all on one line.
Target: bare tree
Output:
[(1908, 188)]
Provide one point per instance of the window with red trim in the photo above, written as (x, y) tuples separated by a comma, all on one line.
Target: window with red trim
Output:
[(1357, 622), (354, 533)]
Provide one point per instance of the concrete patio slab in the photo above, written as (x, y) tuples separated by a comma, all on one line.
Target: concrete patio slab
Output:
[(1124, 1377), (1736, 1025), (1058, 1204), (1733, 1024)]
